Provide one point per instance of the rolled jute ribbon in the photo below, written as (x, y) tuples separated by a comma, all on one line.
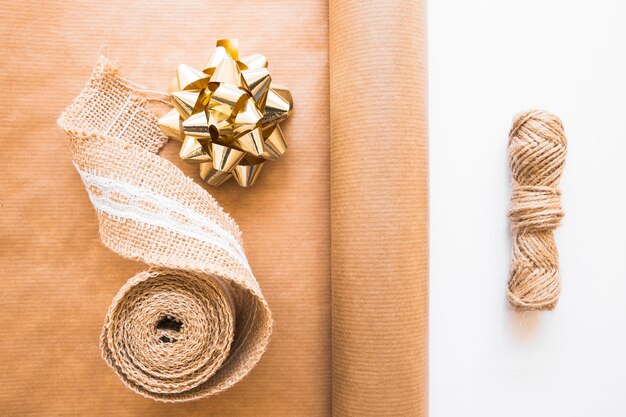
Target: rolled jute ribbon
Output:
[(196, 321), (537, 148)]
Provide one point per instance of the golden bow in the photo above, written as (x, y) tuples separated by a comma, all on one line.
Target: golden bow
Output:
[(227, 116)]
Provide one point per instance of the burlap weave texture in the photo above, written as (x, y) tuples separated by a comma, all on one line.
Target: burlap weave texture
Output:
[(149, 210)]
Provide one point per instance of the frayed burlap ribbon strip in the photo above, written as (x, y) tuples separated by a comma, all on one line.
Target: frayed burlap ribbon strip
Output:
[(537, 148), (196, 322)]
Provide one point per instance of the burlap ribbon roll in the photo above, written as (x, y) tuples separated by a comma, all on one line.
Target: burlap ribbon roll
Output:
[(196, 322)]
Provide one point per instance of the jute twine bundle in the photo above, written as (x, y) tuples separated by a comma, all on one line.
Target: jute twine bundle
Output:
[(196, 322), (537, 148)]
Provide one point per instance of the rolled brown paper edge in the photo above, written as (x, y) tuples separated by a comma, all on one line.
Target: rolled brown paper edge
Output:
[(379, 208)]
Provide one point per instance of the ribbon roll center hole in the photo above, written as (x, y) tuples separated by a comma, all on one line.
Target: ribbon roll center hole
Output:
[(168, 328)]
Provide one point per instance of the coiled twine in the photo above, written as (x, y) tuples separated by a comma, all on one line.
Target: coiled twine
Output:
[(537, 149)]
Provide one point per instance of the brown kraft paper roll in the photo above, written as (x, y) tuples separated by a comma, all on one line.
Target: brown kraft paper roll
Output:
[(379, 208)]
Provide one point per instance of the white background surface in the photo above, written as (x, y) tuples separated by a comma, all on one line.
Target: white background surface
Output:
[(489, 60)]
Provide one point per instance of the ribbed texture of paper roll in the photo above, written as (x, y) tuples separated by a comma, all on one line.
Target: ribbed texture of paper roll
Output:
[(379, 208), (196, 322)]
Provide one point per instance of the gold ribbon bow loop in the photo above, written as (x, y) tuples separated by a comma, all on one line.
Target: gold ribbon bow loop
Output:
[(227, 115)]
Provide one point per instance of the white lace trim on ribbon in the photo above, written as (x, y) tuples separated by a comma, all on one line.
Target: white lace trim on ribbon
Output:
[(163, 212)]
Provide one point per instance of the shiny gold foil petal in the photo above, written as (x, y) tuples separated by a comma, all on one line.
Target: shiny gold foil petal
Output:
[(252, 142), (258, 81), (216, 58), (227, 72), (224, 132), (197, 125), (213, 176), (246, 173), (231, 46), (169, 124), (193, 152), (275, 145), (284, 92), (225, 158), (185, 102), (190, 78), (254, 61), (276, 108), (227, 99), (248, 119)]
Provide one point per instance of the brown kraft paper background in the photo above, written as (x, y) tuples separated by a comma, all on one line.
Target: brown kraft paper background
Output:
[(59, 280)]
